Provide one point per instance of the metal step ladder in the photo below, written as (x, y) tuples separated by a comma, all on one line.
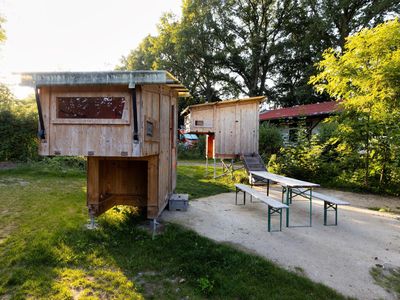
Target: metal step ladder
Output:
[(254, 162)]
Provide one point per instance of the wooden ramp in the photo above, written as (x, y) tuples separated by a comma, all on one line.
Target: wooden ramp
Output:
[(254, 162)]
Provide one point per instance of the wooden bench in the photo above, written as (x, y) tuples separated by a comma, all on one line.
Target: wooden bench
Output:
[(273, 205), (330, 204)]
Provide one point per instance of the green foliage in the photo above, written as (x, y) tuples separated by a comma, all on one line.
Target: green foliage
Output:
[(206, 286), (270, 139), (18, 128), (308, 29), (300, 160), (222, 49), (334, 160), (47, 253), (367, 77)]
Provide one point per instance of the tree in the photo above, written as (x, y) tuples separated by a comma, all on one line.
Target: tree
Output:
[(367, 77), (6, 97), (313, 26), (141, 58), (249, 31)]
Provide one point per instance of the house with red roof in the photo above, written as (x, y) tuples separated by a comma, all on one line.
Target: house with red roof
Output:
[(292, 119)]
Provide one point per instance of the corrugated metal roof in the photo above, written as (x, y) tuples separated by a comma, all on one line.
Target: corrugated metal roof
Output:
[(301, 111), (130, 78)]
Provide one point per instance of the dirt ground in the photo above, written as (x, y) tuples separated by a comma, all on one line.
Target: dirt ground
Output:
[(338, 256)]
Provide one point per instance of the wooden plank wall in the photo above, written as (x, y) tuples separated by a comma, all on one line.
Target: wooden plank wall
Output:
[(108, 172), (205, 114), (235, 126), (165, 164), (74, 137), (150, 101), (237, 129), (225, 136)]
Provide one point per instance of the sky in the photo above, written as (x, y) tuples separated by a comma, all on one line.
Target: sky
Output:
[(74, 35)]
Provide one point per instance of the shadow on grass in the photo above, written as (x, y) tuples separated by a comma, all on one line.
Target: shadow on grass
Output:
[(114, 258), (50, 254)]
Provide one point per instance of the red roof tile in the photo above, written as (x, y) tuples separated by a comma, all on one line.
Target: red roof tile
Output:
[(300, 111)]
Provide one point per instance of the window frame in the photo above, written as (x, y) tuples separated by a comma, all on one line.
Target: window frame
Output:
[(126, 113)]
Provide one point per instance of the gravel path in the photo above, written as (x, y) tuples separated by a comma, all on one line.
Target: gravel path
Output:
[(338, 256)]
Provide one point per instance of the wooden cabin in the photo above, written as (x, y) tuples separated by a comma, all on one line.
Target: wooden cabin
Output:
[(231, 126), (125, 123)]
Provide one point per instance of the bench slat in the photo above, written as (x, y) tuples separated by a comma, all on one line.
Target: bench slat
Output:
[(265, 199), (327, 198)]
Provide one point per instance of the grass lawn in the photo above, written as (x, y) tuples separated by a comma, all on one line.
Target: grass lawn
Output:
[(46, 252)]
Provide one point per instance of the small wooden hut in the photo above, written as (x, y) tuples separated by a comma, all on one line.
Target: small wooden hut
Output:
[(124, 122), (231, 126)]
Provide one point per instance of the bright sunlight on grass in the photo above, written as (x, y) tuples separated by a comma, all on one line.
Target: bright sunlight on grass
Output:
[(46, 252)]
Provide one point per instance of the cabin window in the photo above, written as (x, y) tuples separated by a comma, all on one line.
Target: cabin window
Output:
[(90, 107), (149, 128), (198, 123)]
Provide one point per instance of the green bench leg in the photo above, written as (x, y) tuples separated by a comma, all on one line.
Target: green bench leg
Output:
[(336, 215), (269, 218), (310, 207), (236, 196), (287, 203), (272, 211), (334, 207)]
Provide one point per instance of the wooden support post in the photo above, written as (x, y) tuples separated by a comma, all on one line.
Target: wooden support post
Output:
[(207, 166), (215, 168), (93, 185)]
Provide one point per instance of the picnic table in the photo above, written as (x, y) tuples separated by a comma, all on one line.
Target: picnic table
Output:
[(290, 187)]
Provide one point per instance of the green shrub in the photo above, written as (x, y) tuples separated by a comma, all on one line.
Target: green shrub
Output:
[(332, 161), (18, 128), (270, 140)]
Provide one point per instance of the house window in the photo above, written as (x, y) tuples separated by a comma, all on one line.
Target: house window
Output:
[(199, 123), (90, 107), (149, 128)]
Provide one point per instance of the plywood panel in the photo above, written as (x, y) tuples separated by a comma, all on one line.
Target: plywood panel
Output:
[(165, 152), (225, 135), (200, 116), (89, 137), (86, 140), (249, 129), (151, 113)]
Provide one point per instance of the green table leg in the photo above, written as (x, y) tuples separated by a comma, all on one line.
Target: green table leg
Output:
[(310, 207), (336, 215), (287, 203), (269, 218)]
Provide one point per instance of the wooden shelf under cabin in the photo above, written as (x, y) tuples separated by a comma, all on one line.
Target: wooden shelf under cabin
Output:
[(118, 181)]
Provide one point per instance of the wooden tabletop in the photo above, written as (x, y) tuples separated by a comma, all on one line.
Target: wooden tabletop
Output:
[(282, 180)]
